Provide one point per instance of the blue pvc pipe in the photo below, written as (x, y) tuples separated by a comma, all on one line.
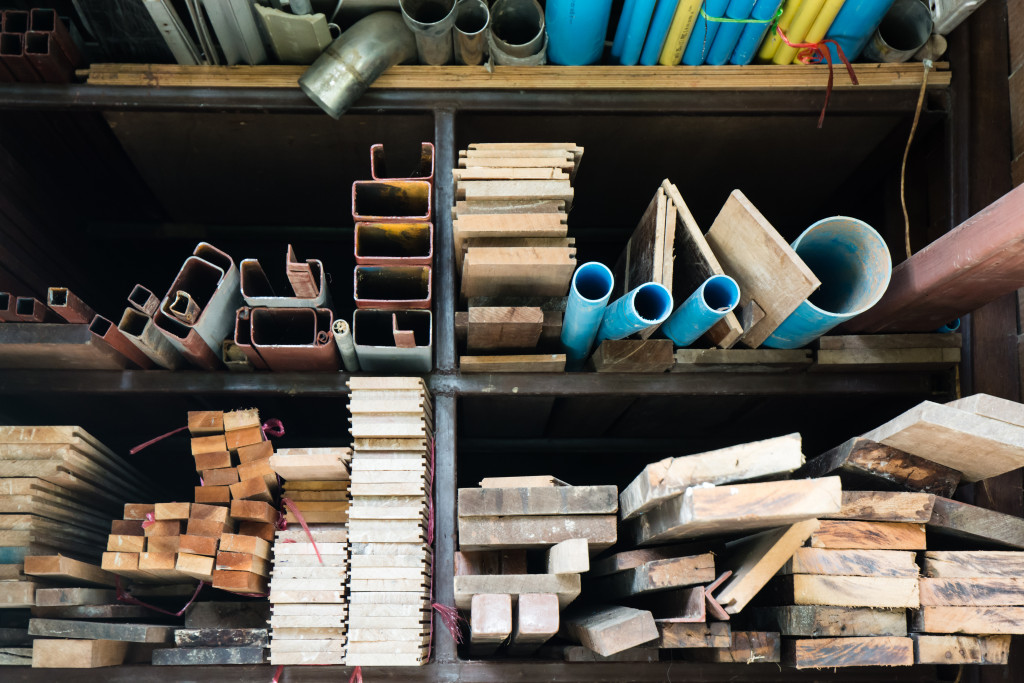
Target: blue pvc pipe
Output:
[(714, 299), (646, 306), (704, 32), (588, 296), (639, 22), (854, 266), (622, 27), (729, 34), (951, 326), (659, 29), (576, 30), (855, 24), (753, 34)]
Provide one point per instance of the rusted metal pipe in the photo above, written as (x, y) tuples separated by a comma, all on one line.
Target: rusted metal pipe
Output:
[(105, 330), (185, 308), (295, 339), (138, 328), (143, 300), (68, 306)]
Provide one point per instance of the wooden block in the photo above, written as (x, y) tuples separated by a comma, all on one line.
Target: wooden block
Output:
[(329, 465), (961, 649), (221, 637), (868, 464), (886, 506), (747, 647), (743, 360), (658, 575), (766, 268), (213, 461), (771, 458), (649, 251), (257, 529), (491, 190), (254, 511), (257, 468), (736, 508), (841, 591), (239, 581), (138, 510), (166, 528), (252, 489), (827, 653), (64, 569), (490, 618), (253, 452), (979, 592), (118, 612), (992, 407), (156, 562), (239, 438), (715, 634), (888, 563), (215, 443), (536, 621), (544, 362), (544, 500), (634, 558), (215, 513), (633, 355), (77, 654), (197, 566), (755, 559), (215, 614), (851, 535), (205, 422), (206, 527), (213, 495), (969, 620), (504, 328), (54, 597), (961, 520), (978, 447), (565, 586), (15, 656), (91, 630), (536, 481), (518, 271), (207, 656), (541, 531), (568, 557), (222, 477), (236, 543), (241, 419), (973, 564), (126, 527), (243, 562), (171, 511), (813, 621), (607, 630)]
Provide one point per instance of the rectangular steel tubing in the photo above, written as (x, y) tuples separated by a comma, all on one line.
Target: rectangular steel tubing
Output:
[(47, 21), (374, 336), (398, 244), (243, 338), (295, 339), (56, 346), (7, 302), (12, 54), (139, 329), (5, 74), (143, 300), (424, 171), (28, 309), (105, 330), (14, 21), (392, 200), (258, 292), (68, 306), (46, 58), (392, 287)]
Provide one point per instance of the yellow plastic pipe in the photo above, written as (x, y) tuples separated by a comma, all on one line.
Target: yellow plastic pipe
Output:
[(679, 31), (772, 41), (802, 21), (822, 23)]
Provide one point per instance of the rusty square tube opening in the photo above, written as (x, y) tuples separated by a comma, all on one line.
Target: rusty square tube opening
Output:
[(198, 280), (243, 331), (133, 323), (392, 198), (283, 326), (11, 44), (57, 296), (100, 326), (212, 254), (37, 43), (424, 164), (43, 20), (374, 328), (393, 240), (25, 305), (140, 296), (254, 280), (5, 301), (393, 283), (15, 21)]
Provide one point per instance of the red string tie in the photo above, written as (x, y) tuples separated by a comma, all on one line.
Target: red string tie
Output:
[(123, 596), (357, 675), (149, 521), (277, 674), (815, 53), (273, 427), (287, 502), (159, 438)]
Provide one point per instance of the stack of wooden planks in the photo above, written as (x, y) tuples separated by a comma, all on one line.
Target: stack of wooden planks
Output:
[(512, 250), (307, 587), (390, 529), (218, 633)]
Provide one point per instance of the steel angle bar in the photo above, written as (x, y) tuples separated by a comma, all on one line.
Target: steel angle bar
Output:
[(258, 292), (46, 58), (28, 309), (392, 200), (392, 287), (399, 244), (47, 21), (301, 276), (243, 338), (138, 328), (295, 339), (179, 42), (374, 337), (7, 303), (68, 306), (234, 22), (424, 171), (105, 330), (143, 300)]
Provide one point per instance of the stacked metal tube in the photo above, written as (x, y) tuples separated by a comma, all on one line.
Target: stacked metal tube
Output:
[(36, 46)]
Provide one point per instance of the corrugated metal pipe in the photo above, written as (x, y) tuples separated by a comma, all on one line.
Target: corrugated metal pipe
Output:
[(588, 297)]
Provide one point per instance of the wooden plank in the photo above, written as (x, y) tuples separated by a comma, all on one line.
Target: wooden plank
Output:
[(327, 465), (530, 482), (518, 271), (568, 557), (857, 342), (212, 494), (133, 633), (542, 362), (197, 566), (254, 511), (886, 506), (633, 355), (893, 360), (259, 451), (490, 622), (669, 477), (736, 508), (213, 461), (565, 586), (503, 328), (815, 621), (485, 562), (54, 597), (841, 591), (886, 563), (961, 649), (541, 531), (864, 463), (827, 653), (249, 436), (961, 520), (852, 535), (241, 419), (991, 407), (77, 654), (768, 271), (221, 637), (544, 500), (118, 612), (672, 635), (644, 256), (15, 656), (239, 581), (225, 476), (980, 592), (220, 614), (608, 630), (198, 545), (657, 575), (207, 656), (747, 647), (969, 620), (743, 360), (972, 563), (164, 511), (214, 443), (754, 560), (507, 173), (236, 543), (536, 622), (65, 569), (15, 594)]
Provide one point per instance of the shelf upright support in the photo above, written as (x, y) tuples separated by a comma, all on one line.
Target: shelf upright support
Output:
[(444, 264), (444, 521)]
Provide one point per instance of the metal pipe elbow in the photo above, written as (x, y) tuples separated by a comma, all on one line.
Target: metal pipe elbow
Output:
[(356, 59)]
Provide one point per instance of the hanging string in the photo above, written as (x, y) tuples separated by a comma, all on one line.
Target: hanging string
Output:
[(273, 427), (357, 675), (815, 53), (159, 438), (906, 153), (277, 674), (123, 596), (287, 502), (450, 616)]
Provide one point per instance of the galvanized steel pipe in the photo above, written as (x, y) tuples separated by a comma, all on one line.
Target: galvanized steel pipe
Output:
[(517, 36), (431, 22), (904, 30), (588, 297), (714, 299), (472, 20), (646, 306)]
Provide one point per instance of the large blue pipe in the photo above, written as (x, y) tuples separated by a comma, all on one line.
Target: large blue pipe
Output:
[(588, 296), (714, 299), (622, 27), (639, 22), (854, 266), (576, 30), (951, 326), (659, 29), (728, 33), (855, 24), (646, 306), (753, 34), (704, 32)]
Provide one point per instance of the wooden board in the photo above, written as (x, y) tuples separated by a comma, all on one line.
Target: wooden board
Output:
[(991, 407), (567, 557), (518, 271), (754, 560), (747, 647), (961, 649), (841, 591), (565, 586), (743, 360), (717, 634), (633, 355), (648, 250), (490, 622), (967, 592), (815, 621), (768, 271), (975, 523), (541, 362), (969, 620), (133, 633), (537, 621), (972, 564), (978, 447), (503, 328), (15, 594), (207, 656), (862, 463), (736, 508), (241, 419), (608, 630), (659, 481), (828, 653), (221, 637), (67, 570), (53, 597), (541, 531), (545, 500), (535, 481), (657, 575), (205, 422), (892, 360), (628, 559), (852, 535), (885, 563), (886, 506), (77, 654)]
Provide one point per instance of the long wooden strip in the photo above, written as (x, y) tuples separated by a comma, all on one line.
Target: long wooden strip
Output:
[(972, 563), (854, 535), (545, 500), (565, 586), (65, 569), (988, 620), (842, 591), (483, 533), (863, 463), (886, 563), (886, 506), (815, 621), (961, 520), (658, 575), (988, 592), (961, 649), (607, 630), (827, 653)]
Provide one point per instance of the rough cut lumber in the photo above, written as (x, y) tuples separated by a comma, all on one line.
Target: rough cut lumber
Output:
[(541, 531), (484, 562), (241, 419), (743, 360), (658, 575), (239, 581), (972, 563), (978, 447), (242, 562), (855, 535), (225, 476), (77, 654), (979, 592), (771, 458), (118, 612), (209, 444), (503, 328), (536, 622), (14, 594), (52, 597), (649, 252), (252, 489), (969, 620), (249, 436), (64, 569), (212, 494), (634, 558), (197, 566), (236, 543), (205, 527), (961, 520), (815, 621), (205, 422), (215, 614), (717, 634), (213, 461), (254, 452), (536, 481), (747, 647), (165, 528), (138, 510), (253, 511), (735, 508), (490, 622), (568, 557), (827, 653), (607, 630), (545, 500), (992, 407), (842, 591), (633, 355), (885, 563), (754, 560), (198, 545), (164, 511), (312, 464), (961, 649), (221, 637), (886, 506), (862, 463), (133, 633), (204, 656), (16, 656), (565, 586), (257, 468), (540, 362)]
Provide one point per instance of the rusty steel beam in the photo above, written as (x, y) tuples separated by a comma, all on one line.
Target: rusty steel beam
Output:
[(138, 328), (28, 309), (105, 330), (424, 171), (68, 306), (295, 339), (46, 57), (392, 287), (392, 200)]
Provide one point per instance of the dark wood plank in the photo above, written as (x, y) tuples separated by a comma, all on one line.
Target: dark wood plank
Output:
[(863, 463)]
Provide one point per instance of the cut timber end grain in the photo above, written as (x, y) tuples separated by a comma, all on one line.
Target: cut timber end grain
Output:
[(126, 527), (65, 569), (237, 438), (969, 620), (988, 592), (961, 649), (138, 510), (490, 618), (166, 528), (568, 557), (973, 563), (197, 566), (259, 451), (256, 468), (826, 653), (252, 489), (77, 654), (253, 511), (209, 444), (814, 621), (257, 529), (886, 506), (239, 581), (314, 466), (205, 422), (233, 543), (482, 533), (206, 527), (565, 586), (850, 535), (118, 543), (747, 647), (607, 630), (213, 461), (885, 563), (241, 419), (546, 500), (536, 618), (213, 495), (163, 544), (215, 513), (15, 594), (221, 477), (242, 562), (165, 511), (717, 634)]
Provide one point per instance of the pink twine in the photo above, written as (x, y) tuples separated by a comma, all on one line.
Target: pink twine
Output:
[(357, 675), (159, 438), (287, 502), (277, 674), (123, 596), (272, 427), (282, 521), (149, 521)]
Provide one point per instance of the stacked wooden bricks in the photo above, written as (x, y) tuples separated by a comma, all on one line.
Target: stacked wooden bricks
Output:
[(232, 457), (307, 586), (513, 253), (389, 584)]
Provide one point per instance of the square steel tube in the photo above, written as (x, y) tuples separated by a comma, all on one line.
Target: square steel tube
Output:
[(392, 287), (374, 336), (392, 200), (397, 244), (424, 171), (68, 306), (295, 339)]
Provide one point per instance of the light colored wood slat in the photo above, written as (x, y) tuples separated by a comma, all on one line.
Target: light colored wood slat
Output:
[(973, 592), (694, 635), (853, 535), (565, 586), (66, 569), (890, 563), (813, 621), (540, 531), (988, 620), (885, 506), (543, 362), (77, 654), (970, 564), (657, 575), (961, 649), (545, 500), (844, 591)]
